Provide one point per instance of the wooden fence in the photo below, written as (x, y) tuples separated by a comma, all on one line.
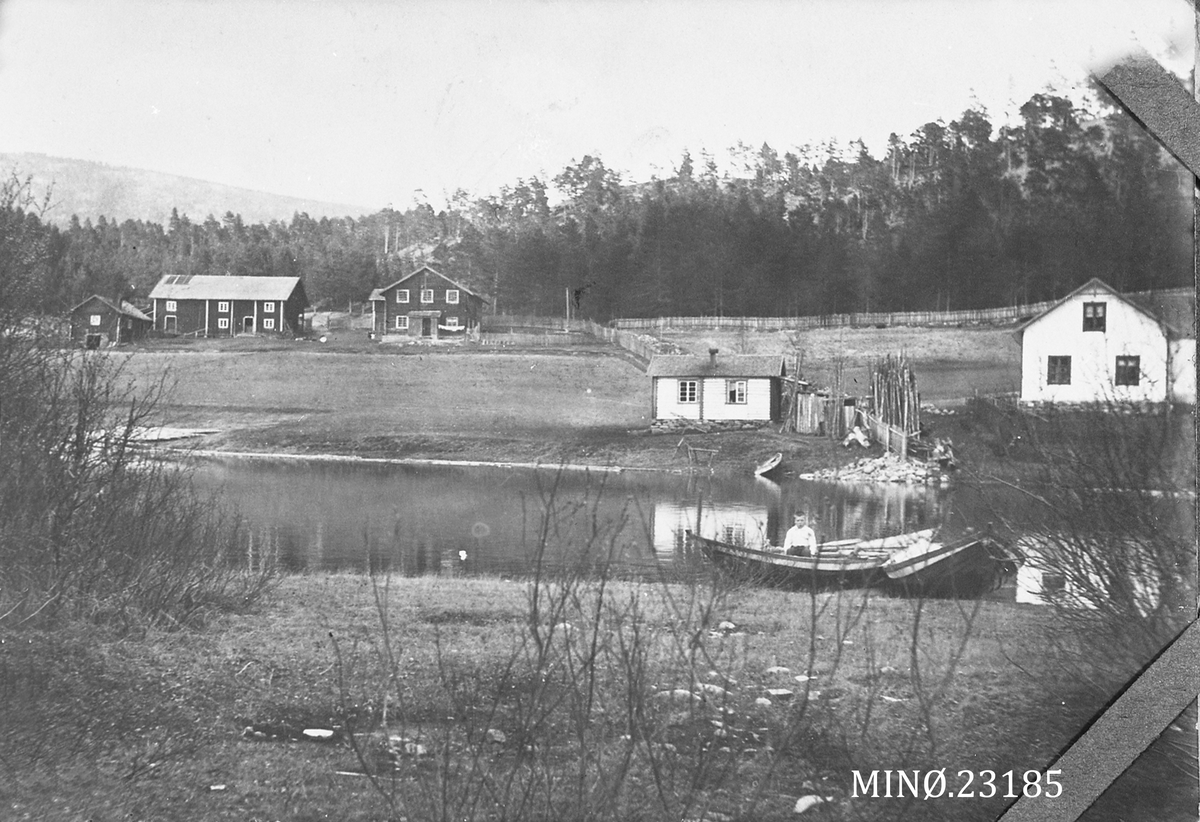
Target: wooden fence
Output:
[(982, 316), (824, 415), (496, 331), (643, 345), (893, 439), (547, 340)]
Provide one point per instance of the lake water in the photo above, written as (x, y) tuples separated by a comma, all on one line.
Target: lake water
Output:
[(327, 515)]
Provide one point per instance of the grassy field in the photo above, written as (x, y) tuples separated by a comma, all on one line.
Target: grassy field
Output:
[(462, 698), (488, 719), (951, 364), (586, 405)]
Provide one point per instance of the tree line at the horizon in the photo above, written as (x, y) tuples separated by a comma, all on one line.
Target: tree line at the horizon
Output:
[(958, 215)]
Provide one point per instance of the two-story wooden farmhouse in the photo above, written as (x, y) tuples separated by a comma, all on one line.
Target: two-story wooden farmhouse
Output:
[(96, 322), (215, 306), (728, 387), (426, 305), (1098, 345)]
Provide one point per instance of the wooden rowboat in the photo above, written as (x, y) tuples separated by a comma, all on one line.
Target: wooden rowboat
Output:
[(842, 564), (969, 567), (768, 465), (912, 564)]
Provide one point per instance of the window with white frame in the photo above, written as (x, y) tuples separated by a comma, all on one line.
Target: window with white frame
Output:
[(401, 295), (269, 307), (452, 322), (426, 295), (223, 323), (222, 307), (452, 296), (402, 323), (268, 324), (687, 390), (171, 306), (735, 392), (94, 319), (734, 534)]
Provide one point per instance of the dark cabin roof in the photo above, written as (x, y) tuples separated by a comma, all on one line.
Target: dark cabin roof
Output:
[(126, 309), (1174, 309), (377, 294), (216, 287), (722, 365)]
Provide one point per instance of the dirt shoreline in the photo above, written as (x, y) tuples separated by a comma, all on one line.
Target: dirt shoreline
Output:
[(733, 452)]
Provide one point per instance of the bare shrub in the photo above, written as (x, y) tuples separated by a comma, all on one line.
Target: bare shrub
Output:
[(639, 699), (92, 526)]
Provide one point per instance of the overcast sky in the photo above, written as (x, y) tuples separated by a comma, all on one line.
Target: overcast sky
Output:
[(367, 102)]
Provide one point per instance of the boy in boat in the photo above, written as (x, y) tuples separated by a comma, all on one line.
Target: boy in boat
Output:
[(801, 539)]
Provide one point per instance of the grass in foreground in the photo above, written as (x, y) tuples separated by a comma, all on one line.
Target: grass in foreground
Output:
[(471, 705)]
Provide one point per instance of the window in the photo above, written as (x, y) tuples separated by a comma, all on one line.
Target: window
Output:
[(223, 308), (223, 322), (94, 319), (402, 323), (452, 296), (171, 305), (735, 392), (734, 534), (426, 295), (452, 322), (269, 308), (1093, 316), (401, 295), (687, 390), (1129, 370), (1058, 371), (268, 324)]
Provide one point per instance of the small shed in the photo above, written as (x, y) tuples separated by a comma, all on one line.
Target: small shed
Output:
[(98, 322), (1098, 345), (733, 387)]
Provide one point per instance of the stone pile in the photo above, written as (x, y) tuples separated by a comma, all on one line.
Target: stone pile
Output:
[(888, 468)]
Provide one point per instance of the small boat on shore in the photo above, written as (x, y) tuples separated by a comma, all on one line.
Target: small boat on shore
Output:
[(912, 564), (849, 563), (969, 567), (768, 465)]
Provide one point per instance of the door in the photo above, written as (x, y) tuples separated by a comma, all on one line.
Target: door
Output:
[(169, 324), (427, 326), (93, 341), (247, 325)]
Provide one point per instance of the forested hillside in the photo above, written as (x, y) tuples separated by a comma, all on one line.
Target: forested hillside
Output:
[(956, 215)]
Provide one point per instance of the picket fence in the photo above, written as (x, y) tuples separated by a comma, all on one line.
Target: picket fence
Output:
[(982, 316)]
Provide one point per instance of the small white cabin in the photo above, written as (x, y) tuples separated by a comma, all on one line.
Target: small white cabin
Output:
[(732, 387), (1098, 345)]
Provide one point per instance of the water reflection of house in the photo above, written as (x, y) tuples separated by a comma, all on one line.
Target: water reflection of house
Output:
[(1075, 573), (740, 524)]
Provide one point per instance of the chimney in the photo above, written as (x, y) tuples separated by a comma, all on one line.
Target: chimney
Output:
[(712, 356)]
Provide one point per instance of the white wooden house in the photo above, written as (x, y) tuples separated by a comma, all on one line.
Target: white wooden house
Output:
[(1098, 345), (731, 387)]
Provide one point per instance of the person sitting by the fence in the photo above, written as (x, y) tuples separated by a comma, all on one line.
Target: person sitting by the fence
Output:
[(801, 539), (857, 435), (943, 452)]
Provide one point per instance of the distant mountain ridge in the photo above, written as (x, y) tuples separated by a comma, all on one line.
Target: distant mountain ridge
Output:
[(90, 190)]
